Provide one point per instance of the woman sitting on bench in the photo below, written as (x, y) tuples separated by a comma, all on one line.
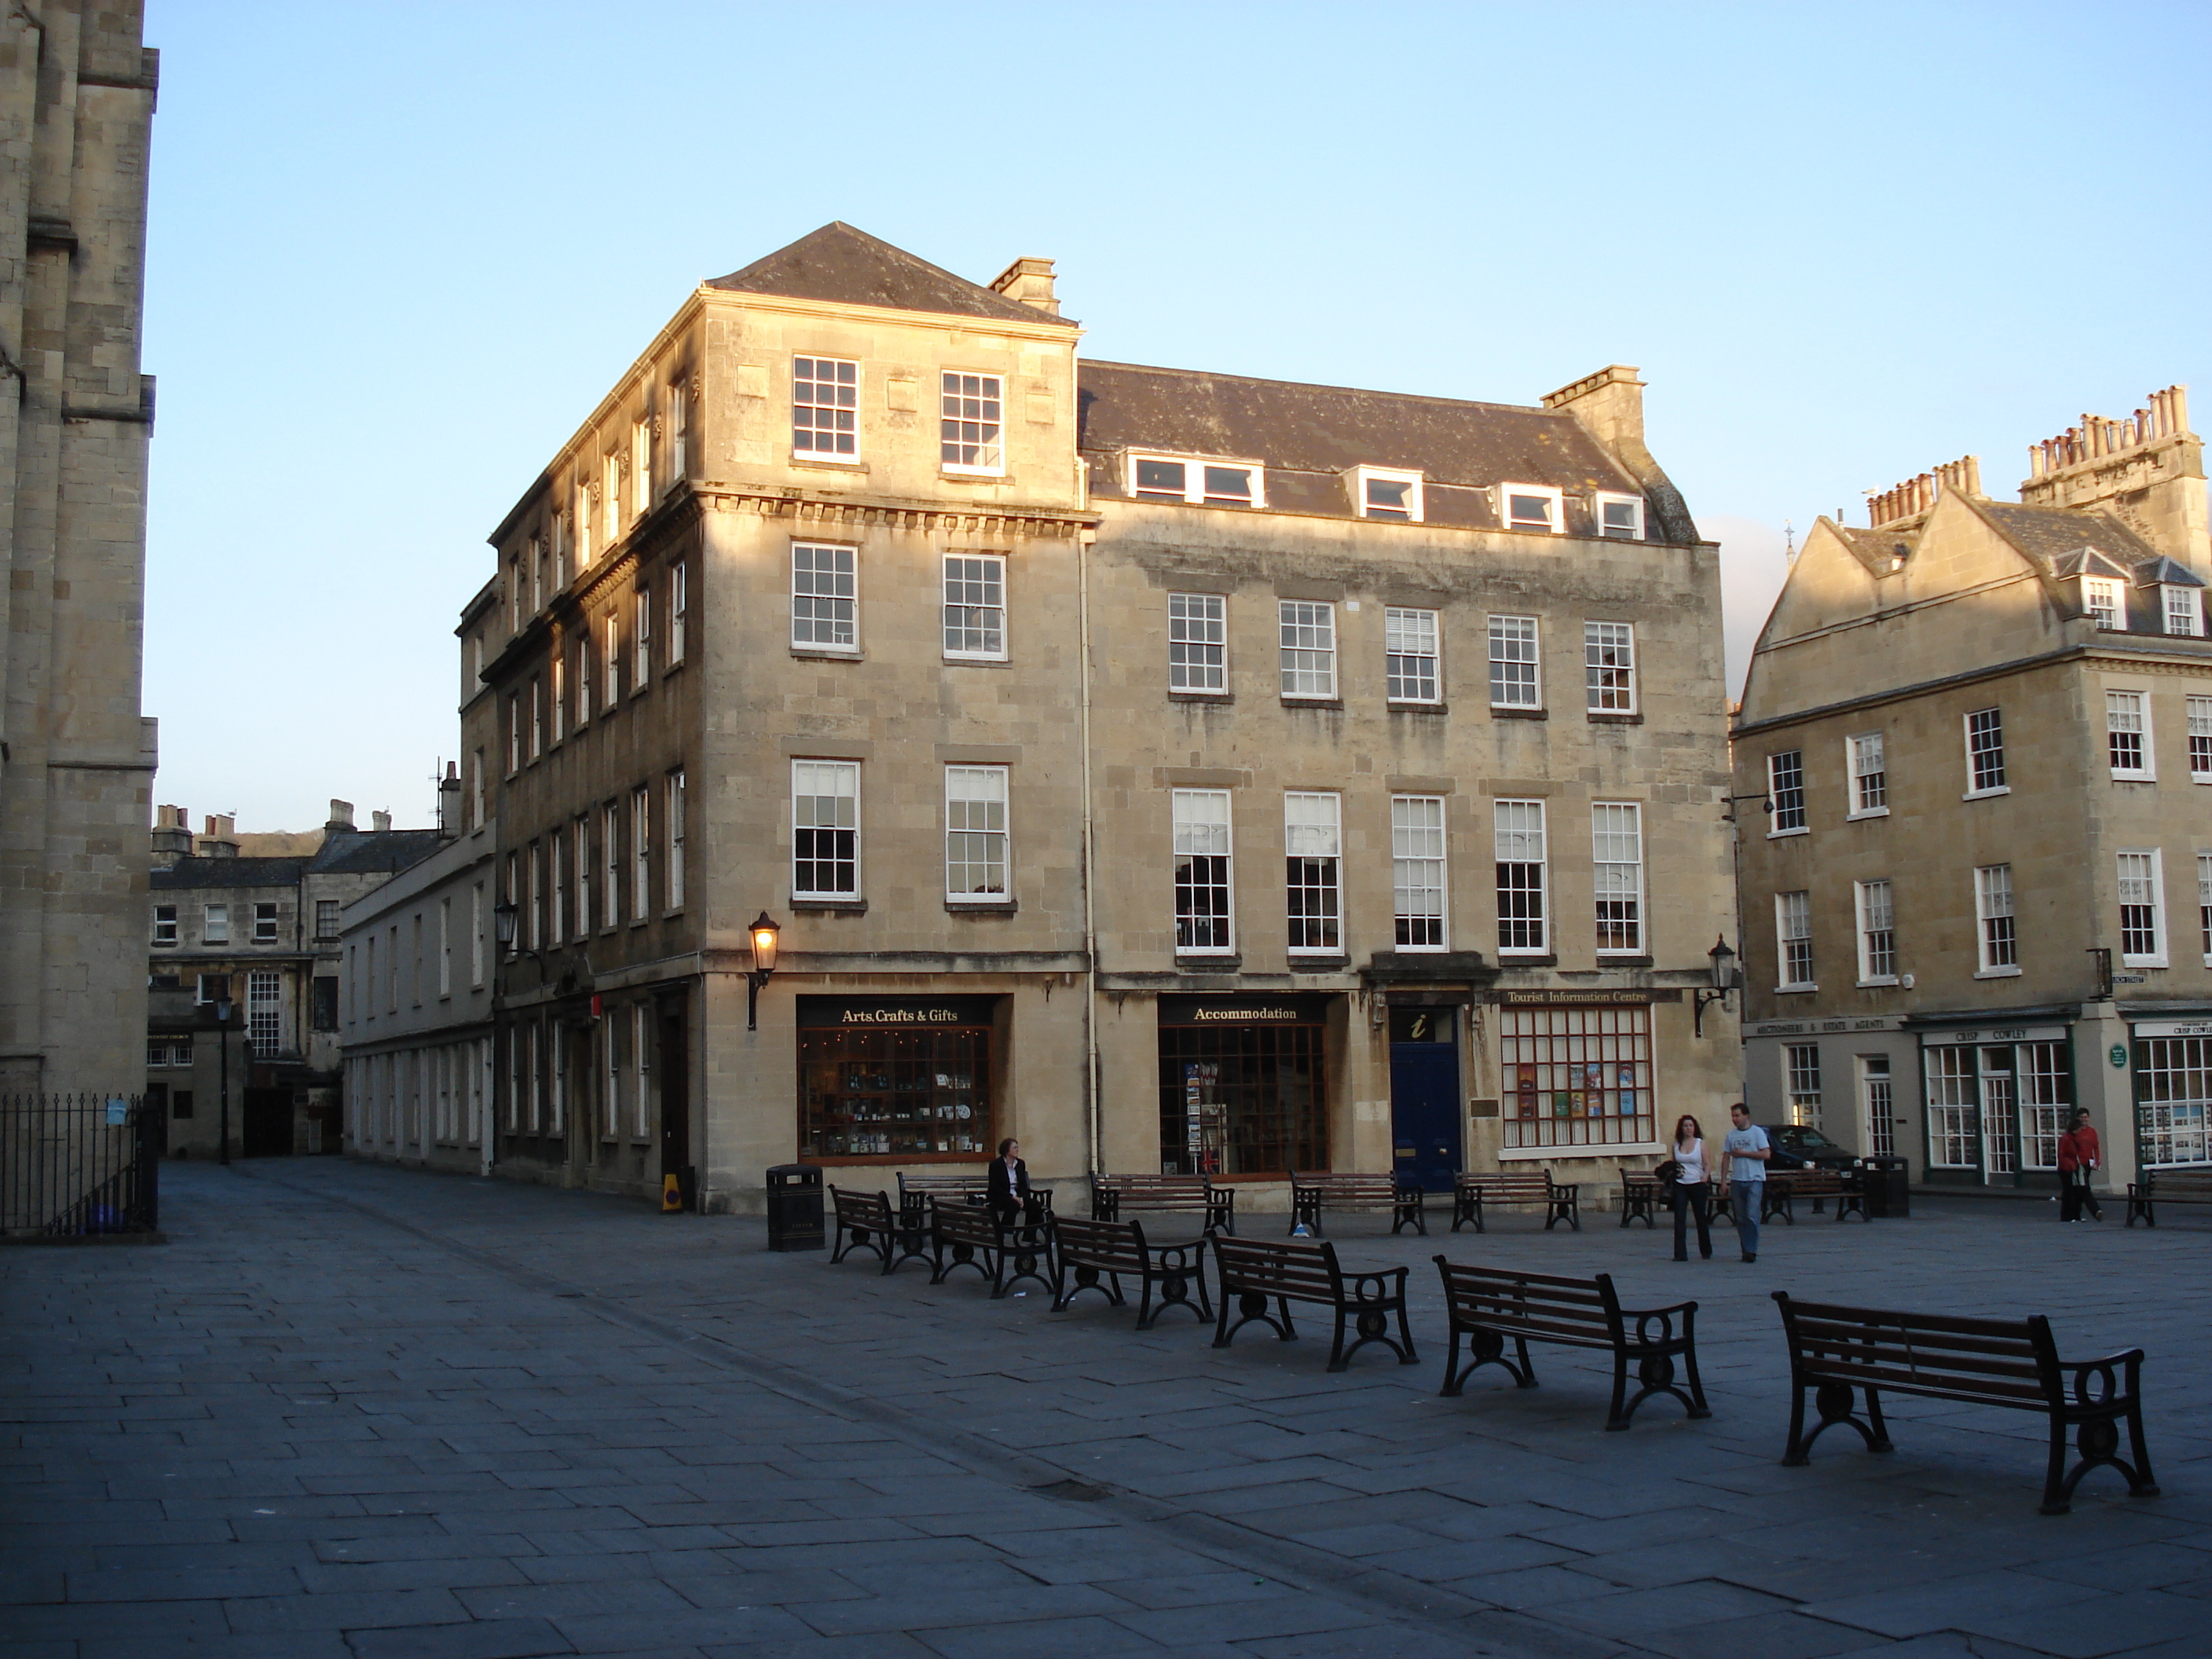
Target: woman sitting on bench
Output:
[(1011, 1199)]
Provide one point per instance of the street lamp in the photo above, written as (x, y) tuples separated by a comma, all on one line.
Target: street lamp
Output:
[(1723, 962), (502, 923), (764, 932)]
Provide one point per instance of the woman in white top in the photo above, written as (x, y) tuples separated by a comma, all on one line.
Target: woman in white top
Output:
[(1693, 1189)]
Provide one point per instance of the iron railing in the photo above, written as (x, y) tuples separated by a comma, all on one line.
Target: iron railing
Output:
[(79, 1165)]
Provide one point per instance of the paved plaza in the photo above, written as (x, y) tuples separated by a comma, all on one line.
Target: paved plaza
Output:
[(349, 1410)]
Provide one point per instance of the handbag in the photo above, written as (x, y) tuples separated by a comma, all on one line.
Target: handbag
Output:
[(1668, 1171)]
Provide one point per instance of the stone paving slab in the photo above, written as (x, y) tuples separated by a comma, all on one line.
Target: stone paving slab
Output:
[(355, 1411)]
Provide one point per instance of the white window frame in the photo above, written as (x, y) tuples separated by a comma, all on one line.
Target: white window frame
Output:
[(1873, 907), (2204, 902), (1313, 832), (557, 663), (1978, 791), (1877, 1104), (610, 496), (1606, 498), (1994, 902), (1556, 524), (1417, 636), (1776, 792), (1801, 1083), (679, 609), (1617, 826), (967, 787), (848, 621), (610, 663), (993, 616), (640, 1068), (1305, 636), (641, 467), (1204, 826), (2155, 875), (477, 938), (2110, 615), (514, 732), (584, 677), (582, 839), (839, 773), (1195, 492), (1597, 645), (2123, 705), (1794, 911), (1202, 627), (582, 514), (536, 718), (1420, 873), (446, 946), (844, 448), (641, 641), (1416, 508), (1514, 637), (165, 926), (640, 853), (676, 435), (214, 924), (611, 862), (2181, 605), (264, 922), (1513, 823), (2199, 713), (953, 424), (672, 812), (1856, 753)]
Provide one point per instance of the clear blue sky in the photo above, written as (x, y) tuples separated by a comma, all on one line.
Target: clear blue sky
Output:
[(398, 251)]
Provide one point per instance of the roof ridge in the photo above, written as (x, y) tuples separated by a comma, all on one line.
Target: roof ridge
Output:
[(1082, 363)]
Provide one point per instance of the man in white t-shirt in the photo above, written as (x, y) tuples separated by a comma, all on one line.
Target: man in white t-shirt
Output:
[(1746, 1152)]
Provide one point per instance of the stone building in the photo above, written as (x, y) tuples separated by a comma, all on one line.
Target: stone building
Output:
[(416, 1033), (263, 933), (1170, 769), (76, 758), (1976, 863)]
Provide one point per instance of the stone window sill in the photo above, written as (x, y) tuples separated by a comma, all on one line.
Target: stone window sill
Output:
[(1499, 712), (851, 907)]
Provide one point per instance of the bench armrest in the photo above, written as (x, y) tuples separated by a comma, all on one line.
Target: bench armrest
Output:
[(1357, 1284), (2108, 1370), (1569, 1187), (1636, 1324)]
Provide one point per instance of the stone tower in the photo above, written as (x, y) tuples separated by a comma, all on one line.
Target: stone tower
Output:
[(76, 758)]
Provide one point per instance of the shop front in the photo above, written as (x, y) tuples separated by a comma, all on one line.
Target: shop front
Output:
[(1574, 1073), (1997, 1100), (902, 1080), (1244, 1085), (2173, 1092)]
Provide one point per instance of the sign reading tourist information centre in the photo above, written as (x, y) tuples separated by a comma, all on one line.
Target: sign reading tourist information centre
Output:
[(1243, 1086), (897, 1078)]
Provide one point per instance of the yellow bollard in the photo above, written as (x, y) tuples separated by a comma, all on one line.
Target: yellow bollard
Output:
[(671, 1195)]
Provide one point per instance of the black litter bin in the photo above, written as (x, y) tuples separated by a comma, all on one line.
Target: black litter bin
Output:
[(794, 1207), (1888, 1185)]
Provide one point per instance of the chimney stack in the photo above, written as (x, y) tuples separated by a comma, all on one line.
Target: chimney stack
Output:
[(172, 837), (219, 842), (379, 821), (1028, 280), (449, 800), (2146, 469), (341, 817), (1610, 404)]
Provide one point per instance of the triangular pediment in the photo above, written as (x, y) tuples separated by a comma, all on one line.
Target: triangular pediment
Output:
[(845, 266)]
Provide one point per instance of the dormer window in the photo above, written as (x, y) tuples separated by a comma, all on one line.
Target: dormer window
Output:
[(1532, 506), (2184, 611), (1210, 483), (1385, 493), (1621, 517), (2102, 597)]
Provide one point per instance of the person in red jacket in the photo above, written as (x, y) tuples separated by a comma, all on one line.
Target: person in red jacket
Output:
[(2078, 1158)]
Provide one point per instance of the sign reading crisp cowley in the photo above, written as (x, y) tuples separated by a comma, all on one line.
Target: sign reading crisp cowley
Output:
[(864, 1012), (1298, 1010)]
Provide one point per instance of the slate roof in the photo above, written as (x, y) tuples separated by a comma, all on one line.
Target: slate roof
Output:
[(198, 872), (2162, 572), (2047, 533), (1309, 435), (2088, 562), (1876, 549), (847, 266), (348, 852)]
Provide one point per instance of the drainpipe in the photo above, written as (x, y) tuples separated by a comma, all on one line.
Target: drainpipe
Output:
[(1084, 538)]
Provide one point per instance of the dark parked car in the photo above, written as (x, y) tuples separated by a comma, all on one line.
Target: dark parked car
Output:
[(1796, 1147)]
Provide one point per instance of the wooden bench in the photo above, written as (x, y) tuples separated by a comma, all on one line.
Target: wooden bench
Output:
[(1351, 1194), (1114, 1195), (919, 1191), (1475, 1190), (1643, 1196), (1489, 1306), (1785, 1186), (969, 1236), (2165, 1187), (1094, 1255), (2012, 1363), (866, 1221), (1250, 1274)]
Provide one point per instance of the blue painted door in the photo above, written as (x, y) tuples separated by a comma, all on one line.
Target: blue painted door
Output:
[(1424, 1104)]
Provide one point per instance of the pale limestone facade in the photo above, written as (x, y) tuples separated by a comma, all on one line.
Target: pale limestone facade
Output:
[(1963, 634), (1059, 974), (76, 758)]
